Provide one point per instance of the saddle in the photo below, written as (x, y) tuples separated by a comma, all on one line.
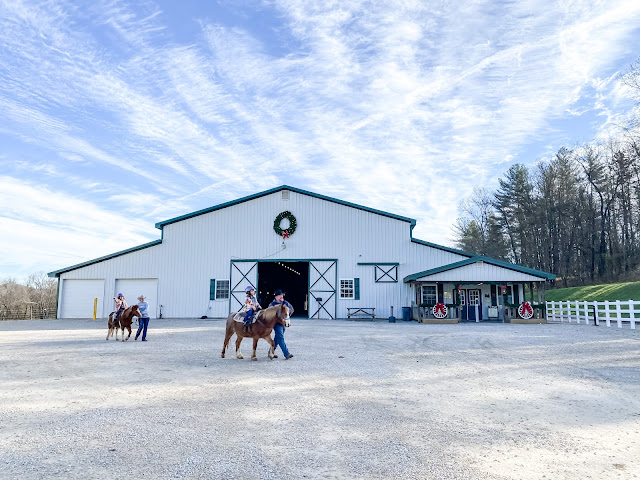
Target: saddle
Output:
[(239, 317)]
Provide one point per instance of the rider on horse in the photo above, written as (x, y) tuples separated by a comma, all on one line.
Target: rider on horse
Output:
[(251, 306), (121, 305)]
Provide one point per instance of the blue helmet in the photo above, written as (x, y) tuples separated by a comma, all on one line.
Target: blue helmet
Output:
[(248, 289)]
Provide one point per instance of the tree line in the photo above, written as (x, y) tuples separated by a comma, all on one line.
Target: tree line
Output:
[(35, 298), (576, 215)]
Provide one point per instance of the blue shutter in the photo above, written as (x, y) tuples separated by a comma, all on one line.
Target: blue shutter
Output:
[(212, 289), (356, 288)]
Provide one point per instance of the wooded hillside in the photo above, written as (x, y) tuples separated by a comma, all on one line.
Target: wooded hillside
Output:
[(576, 215)]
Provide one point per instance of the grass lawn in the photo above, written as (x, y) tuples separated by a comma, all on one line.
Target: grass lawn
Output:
[(611, 291)]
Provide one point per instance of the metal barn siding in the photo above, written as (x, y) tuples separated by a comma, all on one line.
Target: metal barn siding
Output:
[(138, 264)]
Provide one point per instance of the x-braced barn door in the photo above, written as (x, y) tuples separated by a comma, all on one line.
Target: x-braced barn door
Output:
[(322, 288), (243, 274)]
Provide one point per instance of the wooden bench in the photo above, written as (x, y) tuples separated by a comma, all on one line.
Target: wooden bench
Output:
[(368, 312)]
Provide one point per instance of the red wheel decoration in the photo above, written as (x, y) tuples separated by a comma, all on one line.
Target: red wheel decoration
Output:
[(439, 310), (525, 311)]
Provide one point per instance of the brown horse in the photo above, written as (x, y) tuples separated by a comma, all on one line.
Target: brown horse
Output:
[(262, 328), (124, 321)]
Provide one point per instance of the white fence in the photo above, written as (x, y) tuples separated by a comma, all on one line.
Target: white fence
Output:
[(620, 312)]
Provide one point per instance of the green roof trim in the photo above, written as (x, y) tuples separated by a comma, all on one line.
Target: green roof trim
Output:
[(441, 247), (160, 225), (480, 258), (57, 273)]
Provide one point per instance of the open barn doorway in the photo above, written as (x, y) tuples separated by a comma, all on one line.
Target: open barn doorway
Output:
[(290, 277)]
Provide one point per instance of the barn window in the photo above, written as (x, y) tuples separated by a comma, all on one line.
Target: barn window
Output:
[(222, 289), (429, 294), (385, 273), (347, 289)]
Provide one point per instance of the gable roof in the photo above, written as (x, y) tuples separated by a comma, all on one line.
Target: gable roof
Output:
[(478, 258), (160, 225)]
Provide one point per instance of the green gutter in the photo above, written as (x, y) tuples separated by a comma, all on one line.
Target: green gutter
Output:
[(57, 273), (441, 247)]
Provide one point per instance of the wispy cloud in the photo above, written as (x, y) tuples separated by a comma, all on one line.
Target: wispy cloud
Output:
[(403, 106)]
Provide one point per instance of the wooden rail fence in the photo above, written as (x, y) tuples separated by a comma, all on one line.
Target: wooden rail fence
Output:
[(625, 312)]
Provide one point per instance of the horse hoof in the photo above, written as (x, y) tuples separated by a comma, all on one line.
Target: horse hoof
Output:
[(239, 357), (255, 359)]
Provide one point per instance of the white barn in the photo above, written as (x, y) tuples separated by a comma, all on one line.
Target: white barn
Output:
[(339, 257)]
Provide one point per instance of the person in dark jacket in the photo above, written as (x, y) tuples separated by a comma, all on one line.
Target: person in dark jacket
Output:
[(278, 328)]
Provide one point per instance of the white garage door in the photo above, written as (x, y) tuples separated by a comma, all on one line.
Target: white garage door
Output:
[(131, 288), (78, 297)]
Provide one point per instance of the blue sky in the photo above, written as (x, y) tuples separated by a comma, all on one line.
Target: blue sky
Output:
[(115, 115)]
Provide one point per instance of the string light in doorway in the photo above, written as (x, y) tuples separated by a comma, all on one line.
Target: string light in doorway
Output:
[(288, 268)]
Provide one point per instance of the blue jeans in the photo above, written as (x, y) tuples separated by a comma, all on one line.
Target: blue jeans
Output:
[(142, 322), (279, 338), (248, 316)]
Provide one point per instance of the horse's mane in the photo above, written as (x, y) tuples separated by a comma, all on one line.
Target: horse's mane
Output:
[(270, 313)]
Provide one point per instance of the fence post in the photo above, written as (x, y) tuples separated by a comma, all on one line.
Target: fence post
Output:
[(596, 320), (607, 314), (560, 311), (632, 315), (569, 313), (619, 313)]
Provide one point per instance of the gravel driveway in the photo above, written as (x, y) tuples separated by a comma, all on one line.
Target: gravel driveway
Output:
[(358, 400)]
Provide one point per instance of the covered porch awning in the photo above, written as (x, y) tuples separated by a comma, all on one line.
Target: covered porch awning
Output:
[(480, 269)]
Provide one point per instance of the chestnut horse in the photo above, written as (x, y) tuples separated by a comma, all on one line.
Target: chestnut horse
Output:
[(124, 321), (261, 328)]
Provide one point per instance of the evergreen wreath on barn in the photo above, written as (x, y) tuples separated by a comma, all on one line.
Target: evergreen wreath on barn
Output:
[(293, 223)]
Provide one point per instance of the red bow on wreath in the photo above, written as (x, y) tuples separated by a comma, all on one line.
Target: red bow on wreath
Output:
[(285, 234), (526, 308), (440, 308)]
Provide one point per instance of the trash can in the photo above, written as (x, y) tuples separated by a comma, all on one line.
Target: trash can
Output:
[(406, 314)]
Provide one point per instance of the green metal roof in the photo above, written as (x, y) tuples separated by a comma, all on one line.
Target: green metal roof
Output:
[(477, 258), (160, 225), (57, 273)]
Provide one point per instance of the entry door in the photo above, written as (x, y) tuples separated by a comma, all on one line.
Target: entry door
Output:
[(473, 300), (243, 274), (322, 288)]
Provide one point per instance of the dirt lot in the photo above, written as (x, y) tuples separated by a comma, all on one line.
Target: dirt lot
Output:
[(358, 400)]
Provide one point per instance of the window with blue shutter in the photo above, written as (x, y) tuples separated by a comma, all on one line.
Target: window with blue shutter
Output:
[(212, 289)]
